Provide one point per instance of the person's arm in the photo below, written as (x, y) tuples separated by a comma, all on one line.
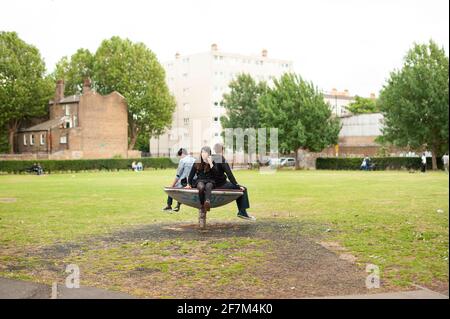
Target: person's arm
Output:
[(180, 171), (191, 176), (229, 173)]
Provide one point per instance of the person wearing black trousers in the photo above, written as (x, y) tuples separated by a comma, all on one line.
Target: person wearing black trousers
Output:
[(203, 170), (222, 171)]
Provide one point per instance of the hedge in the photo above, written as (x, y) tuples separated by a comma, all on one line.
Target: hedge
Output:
[(381, 163), (18, 166)]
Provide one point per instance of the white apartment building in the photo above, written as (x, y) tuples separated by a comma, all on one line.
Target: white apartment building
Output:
[(198, 82)]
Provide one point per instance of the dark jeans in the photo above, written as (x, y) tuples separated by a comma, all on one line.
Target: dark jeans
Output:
[(204, 191), (170, 201), (242, 202)]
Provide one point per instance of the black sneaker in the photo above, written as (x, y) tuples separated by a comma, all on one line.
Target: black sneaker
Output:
[(245, 215), (177, 208), (167, 209)]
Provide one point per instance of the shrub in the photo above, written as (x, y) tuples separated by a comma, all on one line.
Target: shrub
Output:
[(17, 166), (380, 163)]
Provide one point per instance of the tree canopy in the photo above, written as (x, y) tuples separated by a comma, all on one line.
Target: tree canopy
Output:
[(24, 88), (414, 101), (304, 120), (363, 105)]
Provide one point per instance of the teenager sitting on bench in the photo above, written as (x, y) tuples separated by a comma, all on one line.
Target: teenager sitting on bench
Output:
[(203, 170), (221, 171)]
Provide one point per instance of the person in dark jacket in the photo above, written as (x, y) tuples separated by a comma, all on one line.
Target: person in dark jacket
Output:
[(203, 170), (222, 171)]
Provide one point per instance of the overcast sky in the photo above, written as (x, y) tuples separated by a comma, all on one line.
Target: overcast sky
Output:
[(346, 44)]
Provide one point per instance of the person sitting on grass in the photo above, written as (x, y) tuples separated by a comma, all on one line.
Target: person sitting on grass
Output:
[(39, 169), (184, 168), (203, 170), (222, 171)]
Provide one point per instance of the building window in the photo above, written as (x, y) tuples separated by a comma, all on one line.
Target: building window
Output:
[(75, 121), (32, 139), (24, 139), (186, 121), (216, 119), (63, 139), (216, 103), (216, 134), (67, 110), (185, 75), (42, 139)]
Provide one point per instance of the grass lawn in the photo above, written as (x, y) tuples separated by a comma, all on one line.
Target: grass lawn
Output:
[(112, 225)]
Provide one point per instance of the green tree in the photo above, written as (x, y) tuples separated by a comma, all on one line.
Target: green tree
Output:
[(24, 88), (143, 143), (241, 104), (363, 105), (74, 70), (304, 120), (134, 71), (414, 101)]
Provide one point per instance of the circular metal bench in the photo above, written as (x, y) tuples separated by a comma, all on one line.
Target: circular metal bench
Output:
[(189, 197)]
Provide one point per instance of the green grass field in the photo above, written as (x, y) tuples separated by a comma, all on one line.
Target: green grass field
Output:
[(396, 220)]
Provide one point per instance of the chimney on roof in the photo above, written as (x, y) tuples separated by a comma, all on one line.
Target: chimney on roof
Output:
[(345, 92), (177, 55), (264, 53), (59, 93), (373, 96), (214, 47), (87, 85)]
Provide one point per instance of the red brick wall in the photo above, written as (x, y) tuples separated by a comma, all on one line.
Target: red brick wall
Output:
[(104, 124)]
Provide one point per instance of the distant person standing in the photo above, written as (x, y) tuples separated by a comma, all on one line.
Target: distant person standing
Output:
[(445, 162), (424, 163)]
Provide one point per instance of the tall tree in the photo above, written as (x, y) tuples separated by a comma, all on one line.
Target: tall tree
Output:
[(304, 120), (74, 70), (24, 88), (241, 104), (363, 105), (134, 71), (414, 101)]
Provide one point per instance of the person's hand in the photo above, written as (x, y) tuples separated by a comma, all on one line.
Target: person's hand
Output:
[(210, 161), (242, 188), (188, 186)]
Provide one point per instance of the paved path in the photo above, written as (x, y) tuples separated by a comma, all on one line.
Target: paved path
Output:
[(415, 294), (15, 289)]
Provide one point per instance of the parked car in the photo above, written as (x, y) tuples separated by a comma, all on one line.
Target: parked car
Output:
[(276, 162), (288, 161)]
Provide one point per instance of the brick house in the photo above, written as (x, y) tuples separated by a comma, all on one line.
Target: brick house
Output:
[(89, 125)]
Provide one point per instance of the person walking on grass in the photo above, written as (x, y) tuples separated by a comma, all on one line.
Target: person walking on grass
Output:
[(183, 170), (222, 171), (445, 162), (424, 163), (201, 177)]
